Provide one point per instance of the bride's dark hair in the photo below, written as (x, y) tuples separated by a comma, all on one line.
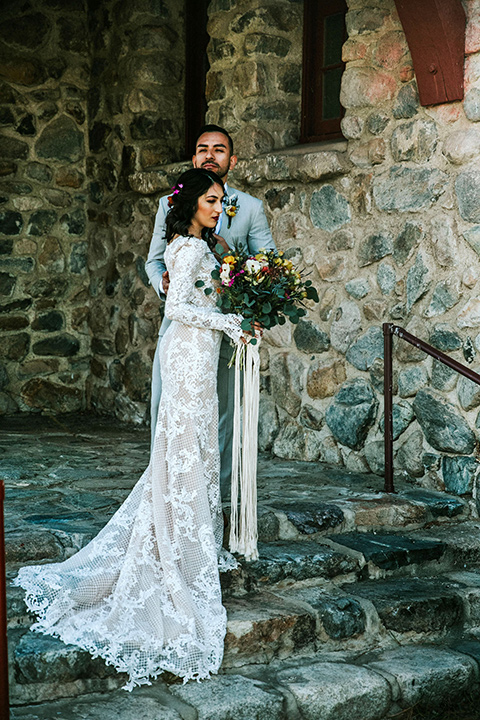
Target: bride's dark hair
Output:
[(184, 202)]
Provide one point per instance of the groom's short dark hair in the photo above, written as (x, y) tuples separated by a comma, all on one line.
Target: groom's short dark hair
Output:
[(215, 128)]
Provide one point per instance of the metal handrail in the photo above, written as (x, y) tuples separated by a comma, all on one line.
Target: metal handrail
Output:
[(4, 702), (389, 330)]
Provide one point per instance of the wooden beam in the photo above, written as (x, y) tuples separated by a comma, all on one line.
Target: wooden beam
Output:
[(435, 32)]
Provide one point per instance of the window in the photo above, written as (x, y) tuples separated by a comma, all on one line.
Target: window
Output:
[(323, 37)]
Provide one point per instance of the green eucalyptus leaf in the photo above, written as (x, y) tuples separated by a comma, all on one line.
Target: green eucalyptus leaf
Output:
[(208, 291), (199, 283)]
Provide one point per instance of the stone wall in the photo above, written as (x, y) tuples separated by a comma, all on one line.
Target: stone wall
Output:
[(387, 225), (136, 123), (44, 75), (89, 93)]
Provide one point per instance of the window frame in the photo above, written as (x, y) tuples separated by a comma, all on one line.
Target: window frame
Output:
[(313, 129)]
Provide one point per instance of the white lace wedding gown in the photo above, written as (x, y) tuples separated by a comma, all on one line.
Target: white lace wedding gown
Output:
[(145, 593)]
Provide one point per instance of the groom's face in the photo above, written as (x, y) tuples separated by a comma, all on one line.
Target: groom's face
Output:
[(213, 153)]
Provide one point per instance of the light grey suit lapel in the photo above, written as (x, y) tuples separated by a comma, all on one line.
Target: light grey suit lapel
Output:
[(238, 230)]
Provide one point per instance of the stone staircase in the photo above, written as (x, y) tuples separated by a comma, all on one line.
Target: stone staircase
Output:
[(361, 604)]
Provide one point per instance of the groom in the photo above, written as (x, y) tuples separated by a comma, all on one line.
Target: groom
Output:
[(243, 222)]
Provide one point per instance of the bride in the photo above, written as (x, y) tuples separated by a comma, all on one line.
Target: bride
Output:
[(145, 593)]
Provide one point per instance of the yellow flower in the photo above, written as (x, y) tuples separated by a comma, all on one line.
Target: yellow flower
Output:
[(231, 211), (280, 253), (229, 259)]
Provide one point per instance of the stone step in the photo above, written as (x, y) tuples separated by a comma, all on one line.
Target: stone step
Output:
[(263, 627), (377, 686), (345, 510), (61, 525), (347, 557)]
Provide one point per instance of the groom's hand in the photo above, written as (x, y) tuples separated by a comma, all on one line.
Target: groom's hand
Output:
[(165, 281)]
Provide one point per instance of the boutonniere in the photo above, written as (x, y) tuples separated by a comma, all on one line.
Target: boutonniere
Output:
[(232, 206)]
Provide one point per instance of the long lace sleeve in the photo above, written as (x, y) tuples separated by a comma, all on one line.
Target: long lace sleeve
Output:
[(185, 301)]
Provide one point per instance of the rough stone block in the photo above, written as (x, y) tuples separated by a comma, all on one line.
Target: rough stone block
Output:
[(444, 428), (37, 545), (468, 393), (345, 326), (11, 223), (127, 706), (402, 416), (302, 560), (471, 104), (407, 102), (409, 189), (446, 295), (295, 442), (311, 417), (286, 373), (389, 551), (386, 278), (314, 517), (358, 288), (309, 338), (459, 473), (366, 87), (44, 659), (438, 503), (414, 605), (374, 248), (462, 146), (414, 141), (352, 412), (411, 380), (366, 349), (232, 696), (328, 209), (61, 140), (409, 455), (265, 627), (323, 379), (427, 676), (331, 691)]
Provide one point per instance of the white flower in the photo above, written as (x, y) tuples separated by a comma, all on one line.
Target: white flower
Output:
[(225, 273), (253, 266)]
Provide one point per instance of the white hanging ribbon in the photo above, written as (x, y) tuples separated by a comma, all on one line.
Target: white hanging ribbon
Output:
[(243, 524)]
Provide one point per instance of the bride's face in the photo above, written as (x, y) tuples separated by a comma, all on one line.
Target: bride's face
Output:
[(208, 211)]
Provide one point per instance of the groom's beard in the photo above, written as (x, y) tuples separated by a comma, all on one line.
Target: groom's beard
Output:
[(215, 168)]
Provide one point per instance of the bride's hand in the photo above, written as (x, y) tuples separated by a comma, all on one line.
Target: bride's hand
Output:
[(258, 333)]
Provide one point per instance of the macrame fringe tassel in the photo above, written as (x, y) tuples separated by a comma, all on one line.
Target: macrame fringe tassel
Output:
[(243, 524)]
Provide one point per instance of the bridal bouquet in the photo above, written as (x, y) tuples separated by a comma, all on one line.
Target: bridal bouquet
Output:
[(264, 288)]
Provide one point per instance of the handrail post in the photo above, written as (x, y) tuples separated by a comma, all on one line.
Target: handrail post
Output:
[(4, 700), (387, 400)]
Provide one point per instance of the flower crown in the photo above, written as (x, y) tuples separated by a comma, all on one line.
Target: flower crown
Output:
[(175, 190)]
